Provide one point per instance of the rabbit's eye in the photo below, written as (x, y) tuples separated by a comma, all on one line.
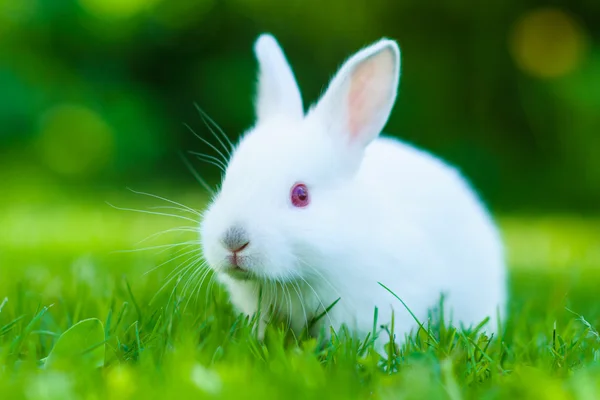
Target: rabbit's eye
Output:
[(299, 195)]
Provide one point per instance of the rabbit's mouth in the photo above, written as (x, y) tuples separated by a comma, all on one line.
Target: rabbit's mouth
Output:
[(235, 265), (237, 272), (240, 273)]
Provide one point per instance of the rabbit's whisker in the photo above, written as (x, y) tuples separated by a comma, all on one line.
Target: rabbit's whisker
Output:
[(153, 213), (177, 229), (319, 300), (298, 290), (170, 260), (210, 160), (160, 246), (166, 200), (182, 268), (209, 144), (196, 175), (206, 119)]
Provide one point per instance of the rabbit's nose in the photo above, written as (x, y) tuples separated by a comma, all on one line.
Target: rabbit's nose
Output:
[(236, 239)]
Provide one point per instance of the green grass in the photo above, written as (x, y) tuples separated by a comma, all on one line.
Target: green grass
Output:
[(58, 267)]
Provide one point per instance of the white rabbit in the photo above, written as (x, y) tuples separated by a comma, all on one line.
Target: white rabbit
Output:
[(315, 207)]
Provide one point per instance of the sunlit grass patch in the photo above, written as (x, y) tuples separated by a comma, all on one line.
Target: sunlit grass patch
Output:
[(162, 343)]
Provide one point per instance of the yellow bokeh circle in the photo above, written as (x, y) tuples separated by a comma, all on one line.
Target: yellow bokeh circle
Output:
[(74, 140), (548, 43)]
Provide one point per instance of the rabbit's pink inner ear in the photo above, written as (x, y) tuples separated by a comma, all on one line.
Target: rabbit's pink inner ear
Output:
[(357, 99), (371, 89)]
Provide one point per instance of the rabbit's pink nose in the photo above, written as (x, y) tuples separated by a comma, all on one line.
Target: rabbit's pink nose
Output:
[(235, 239)]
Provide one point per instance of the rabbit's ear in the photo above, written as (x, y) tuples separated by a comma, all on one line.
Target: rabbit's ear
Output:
[(277, 91), (360, 97)]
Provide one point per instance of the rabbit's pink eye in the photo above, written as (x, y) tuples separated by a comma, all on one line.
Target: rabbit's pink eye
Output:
[(299, 195)]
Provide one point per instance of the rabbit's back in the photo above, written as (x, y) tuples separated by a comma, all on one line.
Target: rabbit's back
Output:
[(439, 234)]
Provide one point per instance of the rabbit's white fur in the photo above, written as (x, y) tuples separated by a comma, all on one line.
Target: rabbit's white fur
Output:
[(380, 210)]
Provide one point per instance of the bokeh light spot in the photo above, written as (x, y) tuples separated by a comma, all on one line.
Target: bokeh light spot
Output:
[(548, 43), (75, 140), (116, 9), (120, 380)]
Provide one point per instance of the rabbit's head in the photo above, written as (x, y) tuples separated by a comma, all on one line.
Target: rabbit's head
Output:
[(290, 177)]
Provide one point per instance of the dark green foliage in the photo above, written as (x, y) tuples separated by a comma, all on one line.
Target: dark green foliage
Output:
[(95, 92)]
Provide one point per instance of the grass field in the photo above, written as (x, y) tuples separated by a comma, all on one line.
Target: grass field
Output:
[(59, 266)]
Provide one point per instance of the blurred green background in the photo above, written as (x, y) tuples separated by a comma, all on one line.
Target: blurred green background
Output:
[(94, 93)]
